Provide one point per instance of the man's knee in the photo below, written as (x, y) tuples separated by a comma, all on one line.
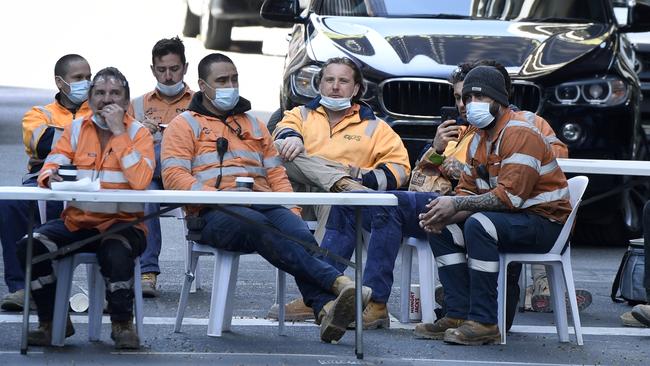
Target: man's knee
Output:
[(479, 225)]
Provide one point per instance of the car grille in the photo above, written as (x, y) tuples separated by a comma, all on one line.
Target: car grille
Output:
[(422, 98)]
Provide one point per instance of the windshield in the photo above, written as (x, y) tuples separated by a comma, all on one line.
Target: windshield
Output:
[(552, 11)]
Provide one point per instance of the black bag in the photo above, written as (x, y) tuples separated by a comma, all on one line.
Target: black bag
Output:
[(630, 274)]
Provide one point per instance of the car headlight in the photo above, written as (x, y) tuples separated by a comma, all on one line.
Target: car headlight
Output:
[(304, 81), (600, 92)]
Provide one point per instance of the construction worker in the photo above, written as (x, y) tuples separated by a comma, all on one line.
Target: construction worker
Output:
[(42, 127), (111, 146), (217, 140), (155, 110), (512, 196)]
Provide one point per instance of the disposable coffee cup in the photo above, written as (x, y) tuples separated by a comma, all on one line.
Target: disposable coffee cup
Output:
[(79, 302), (415, 309), (244, 183), (68, 172)]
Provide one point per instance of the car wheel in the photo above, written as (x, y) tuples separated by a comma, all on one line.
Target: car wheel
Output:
[(192, 24), (215, 32), (274, 119), (635, 197)]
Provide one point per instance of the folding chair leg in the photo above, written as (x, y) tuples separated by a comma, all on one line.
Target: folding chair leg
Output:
[(137, 299), (502, 296), (427, 281), (223, 287), (571, 290), (65, 268), (96, 296), (557, 296), (281, 295), (405, 282), (185, 291)]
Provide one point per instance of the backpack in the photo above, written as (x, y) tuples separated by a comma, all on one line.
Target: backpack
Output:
[(630, 274)]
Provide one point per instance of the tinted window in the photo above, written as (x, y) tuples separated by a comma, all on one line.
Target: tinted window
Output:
[(520, 10)]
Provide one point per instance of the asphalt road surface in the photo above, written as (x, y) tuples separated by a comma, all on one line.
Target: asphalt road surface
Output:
[(121, 33)]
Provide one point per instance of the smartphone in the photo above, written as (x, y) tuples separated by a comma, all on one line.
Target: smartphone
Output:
[(447, 113)]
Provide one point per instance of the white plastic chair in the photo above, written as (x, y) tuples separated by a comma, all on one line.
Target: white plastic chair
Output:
[(96, 294), (427, 278), (558, 269), (226, 266)]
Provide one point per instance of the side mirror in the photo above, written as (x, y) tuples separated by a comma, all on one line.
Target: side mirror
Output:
[(282, 10), (638, 19)]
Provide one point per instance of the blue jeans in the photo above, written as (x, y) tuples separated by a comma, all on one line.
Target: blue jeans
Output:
[(470, 273), (14, 223), (387, 226), (149, 259), (314, 277)]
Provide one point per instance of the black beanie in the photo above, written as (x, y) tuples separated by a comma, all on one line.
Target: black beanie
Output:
[(488, 81)]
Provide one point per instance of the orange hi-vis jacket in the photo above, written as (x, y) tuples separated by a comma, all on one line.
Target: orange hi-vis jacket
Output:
[(518, 165), (190, 160), (155, 107), (42, 128), (127, 162)]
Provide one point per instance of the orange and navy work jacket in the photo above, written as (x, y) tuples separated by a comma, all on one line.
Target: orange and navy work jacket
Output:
[(518, 165), (42, 128), (190, 160), (155, 107), (127, 162)]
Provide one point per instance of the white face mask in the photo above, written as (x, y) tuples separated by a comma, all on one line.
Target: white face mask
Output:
[(99, 121), (78, 91), (335, 104), (170, 90), (478, 114)]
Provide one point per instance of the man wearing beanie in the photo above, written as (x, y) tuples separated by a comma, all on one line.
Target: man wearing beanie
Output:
[(512, 196)]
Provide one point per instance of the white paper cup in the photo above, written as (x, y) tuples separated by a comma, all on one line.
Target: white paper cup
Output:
[(415, 310), (79, 302)]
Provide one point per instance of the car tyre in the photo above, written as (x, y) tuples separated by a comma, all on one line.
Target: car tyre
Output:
[(215, 32), (192, 24)]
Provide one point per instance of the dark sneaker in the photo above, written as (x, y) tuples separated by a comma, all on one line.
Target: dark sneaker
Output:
[(149, 285), (336, 315), (42, 336), (294, 311), (641, 313), (472, 333), (124, 335), (14, 301), (437, 330)]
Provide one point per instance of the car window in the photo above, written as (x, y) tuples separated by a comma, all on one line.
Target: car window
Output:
[(563, 11)]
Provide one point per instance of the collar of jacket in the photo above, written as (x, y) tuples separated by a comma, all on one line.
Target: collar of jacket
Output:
[(57, 97), (365, 112), (196, 105)]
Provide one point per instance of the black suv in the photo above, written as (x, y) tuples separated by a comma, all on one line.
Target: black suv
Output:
[(570, 62)]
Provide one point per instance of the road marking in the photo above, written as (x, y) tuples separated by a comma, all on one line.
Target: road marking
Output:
[(245, 321)]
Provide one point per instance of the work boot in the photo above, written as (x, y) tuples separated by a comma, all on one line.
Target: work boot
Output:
[(375, 315), (337, 314), (149, 284), (541, 297), (641, 313), (347, 184), (472, 333), (343, 282), (14, 301), (437, 330), (42, 336), (294, 311), (124, 335), (628, 320)]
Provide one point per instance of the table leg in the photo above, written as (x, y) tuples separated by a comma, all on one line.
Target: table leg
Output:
[(28, 278), (358, 279)]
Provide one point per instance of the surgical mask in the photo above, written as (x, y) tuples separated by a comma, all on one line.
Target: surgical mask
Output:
[(225, 99), (78, 91), (478, 114), (335, 104), (170, 90), (99, 121)]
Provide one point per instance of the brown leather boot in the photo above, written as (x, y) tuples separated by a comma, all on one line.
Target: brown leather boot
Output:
[(347, 184), (43, 335), (124, 335), (375, 316), (437, 330), (472, 333), (337, 314), (294, 311)]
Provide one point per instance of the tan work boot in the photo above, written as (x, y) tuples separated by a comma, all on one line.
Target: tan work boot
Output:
[(294, 311), (437, 330), (337, 314), (375, 316), (14, 301), (124, 335), (149, 284), (347, 184), (629, 321), (472, 333), (43, 335), (342, 282)]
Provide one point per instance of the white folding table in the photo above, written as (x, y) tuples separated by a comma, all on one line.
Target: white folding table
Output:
[(358, 200)]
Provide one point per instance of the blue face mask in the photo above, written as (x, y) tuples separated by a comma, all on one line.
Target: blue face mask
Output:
[(225, 99), (335, 104), (78, 91), (478, 114), (170, 90), (99, 121)]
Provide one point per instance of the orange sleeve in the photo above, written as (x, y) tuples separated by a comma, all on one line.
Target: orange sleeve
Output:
[(34, 123), (276, 173), (560, 150), (136, 157)]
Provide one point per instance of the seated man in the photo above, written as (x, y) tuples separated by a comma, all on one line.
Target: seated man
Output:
[(207, 148), (42, 127), (111, 146), (513, 197)]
